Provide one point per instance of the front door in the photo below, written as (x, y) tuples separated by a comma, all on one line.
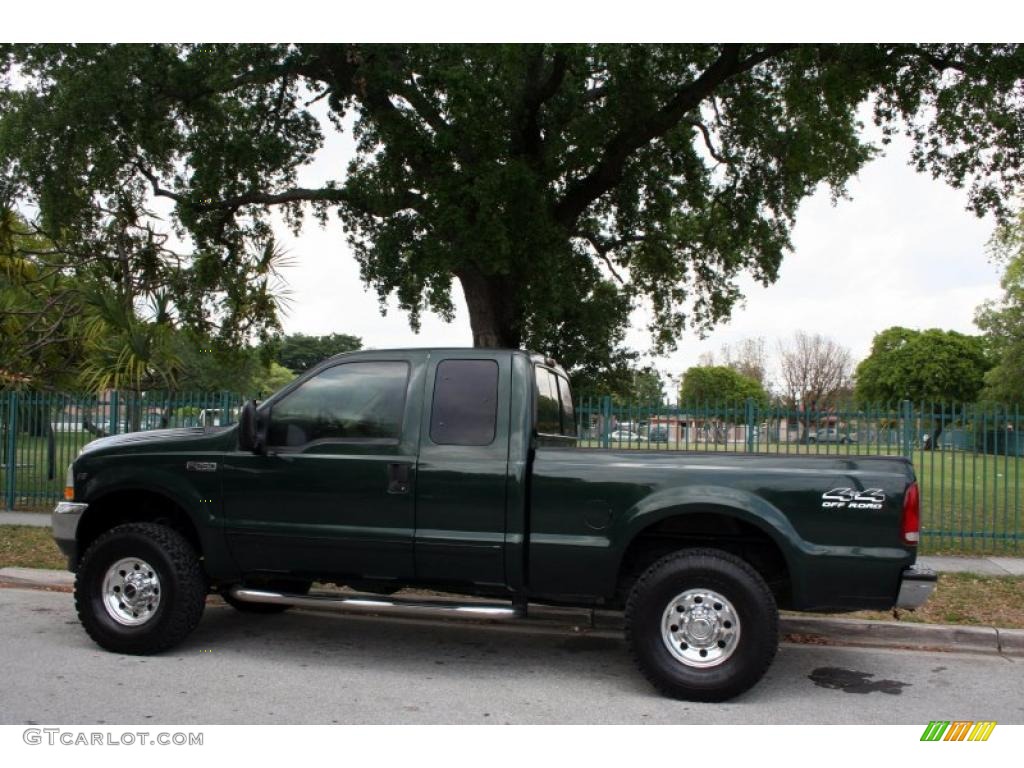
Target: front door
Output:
[(333, 494)]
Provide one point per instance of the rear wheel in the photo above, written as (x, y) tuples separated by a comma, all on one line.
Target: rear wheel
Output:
[(140, 589), (702, 625)]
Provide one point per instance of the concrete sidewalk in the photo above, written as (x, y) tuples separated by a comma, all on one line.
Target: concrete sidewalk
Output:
[(38, 519), (985, 566)]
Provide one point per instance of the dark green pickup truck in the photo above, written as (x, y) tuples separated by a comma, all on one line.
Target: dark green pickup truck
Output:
[(457, 470)]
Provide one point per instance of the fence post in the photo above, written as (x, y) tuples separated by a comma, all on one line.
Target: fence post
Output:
[(606, 420), (12, 453), (751, 417), (907, 416), (225, 399), (114, 416)]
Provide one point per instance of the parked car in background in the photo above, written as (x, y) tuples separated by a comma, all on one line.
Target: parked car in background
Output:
[(832, 435), (658, 435), (626, 436)]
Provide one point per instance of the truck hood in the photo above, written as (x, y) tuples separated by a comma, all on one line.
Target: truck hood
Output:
[(153, 440)]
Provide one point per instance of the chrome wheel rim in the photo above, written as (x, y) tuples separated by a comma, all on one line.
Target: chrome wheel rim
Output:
[(700, 628), (131, 591)]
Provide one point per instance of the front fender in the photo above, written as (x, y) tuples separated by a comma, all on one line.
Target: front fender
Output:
[(198, 498)]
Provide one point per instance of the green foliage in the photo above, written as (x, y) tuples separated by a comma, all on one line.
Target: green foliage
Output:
[(646, 387), (80, 323), (559, 184), (719, 384), (630, 385), (1003, 321), (36, 344), (271, 380), (300, 352), (931, 366)]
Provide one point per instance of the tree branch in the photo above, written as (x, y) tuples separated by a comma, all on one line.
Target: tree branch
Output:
[(424, 107), (603, 248), (938, 63), (617, 151), (526, 136), (707, 141)]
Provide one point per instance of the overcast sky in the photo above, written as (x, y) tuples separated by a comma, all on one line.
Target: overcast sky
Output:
[(902, 251)]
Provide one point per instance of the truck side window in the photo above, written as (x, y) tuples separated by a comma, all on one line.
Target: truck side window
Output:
[(465, 409), (548, 410), (349, 401), (568, 416)]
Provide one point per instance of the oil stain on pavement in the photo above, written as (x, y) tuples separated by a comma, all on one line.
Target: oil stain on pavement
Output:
[(849, 681)]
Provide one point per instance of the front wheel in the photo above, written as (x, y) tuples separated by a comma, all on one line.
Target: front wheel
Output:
[(702, 625), (140, 589)]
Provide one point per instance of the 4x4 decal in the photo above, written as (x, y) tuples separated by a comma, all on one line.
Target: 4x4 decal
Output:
[(851, 498)]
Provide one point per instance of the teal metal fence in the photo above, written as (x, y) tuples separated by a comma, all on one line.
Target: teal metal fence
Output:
[(967, 456), (42, 432)]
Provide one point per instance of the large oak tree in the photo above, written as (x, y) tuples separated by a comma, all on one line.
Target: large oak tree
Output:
[(559, 185)]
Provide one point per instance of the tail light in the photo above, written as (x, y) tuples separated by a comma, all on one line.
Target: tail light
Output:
[(912, 516)]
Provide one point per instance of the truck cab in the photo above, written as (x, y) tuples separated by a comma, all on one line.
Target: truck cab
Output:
[(392, 467)]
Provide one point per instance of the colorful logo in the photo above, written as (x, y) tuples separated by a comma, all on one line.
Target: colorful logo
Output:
[(958, 730)]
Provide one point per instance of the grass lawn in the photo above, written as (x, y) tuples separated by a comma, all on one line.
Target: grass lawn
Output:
[(965, 598), (34, 488), (26, 546)]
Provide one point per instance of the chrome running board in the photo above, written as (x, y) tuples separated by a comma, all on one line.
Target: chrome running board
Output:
[(356, 603)]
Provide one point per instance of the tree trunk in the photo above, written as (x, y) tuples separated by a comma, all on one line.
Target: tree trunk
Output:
[(492, 311)]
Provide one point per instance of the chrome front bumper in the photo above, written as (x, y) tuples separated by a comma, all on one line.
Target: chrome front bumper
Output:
[(64, 522), (916, 586)]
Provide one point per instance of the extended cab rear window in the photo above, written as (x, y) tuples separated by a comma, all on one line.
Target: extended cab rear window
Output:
[(465, 408)]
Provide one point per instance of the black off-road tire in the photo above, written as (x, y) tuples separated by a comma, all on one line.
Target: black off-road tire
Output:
[(182, 585), (748, 595), (292, 587)]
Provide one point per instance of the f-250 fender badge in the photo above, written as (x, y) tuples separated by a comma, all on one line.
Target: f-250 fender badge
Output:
[(201, 466), (851, 498)]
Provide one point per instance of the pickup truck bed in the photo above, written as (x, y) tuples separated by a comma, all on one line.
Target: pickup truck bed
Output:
[(589, 506)]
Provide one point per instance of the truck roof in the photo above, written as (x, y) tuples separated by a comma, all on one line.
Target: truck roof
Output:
[(534, 356)]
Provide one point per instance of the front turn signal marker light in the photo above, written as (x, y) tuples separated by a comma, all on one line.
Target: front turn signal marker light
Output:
[(69, 493)]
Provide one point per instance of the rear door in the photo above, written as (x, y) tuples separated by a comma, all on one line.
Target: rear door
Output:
[(463, 468)]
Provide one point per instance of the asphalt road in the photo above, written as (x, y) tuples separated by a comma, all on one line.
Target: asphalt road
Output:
[(305, 667)]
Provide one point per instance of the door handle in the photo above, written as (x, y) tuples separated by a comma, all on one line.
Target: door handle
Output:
[(398, 478)]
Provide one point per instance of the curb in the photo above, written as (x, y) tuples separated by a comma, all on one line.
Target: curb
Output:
[(887, 634), (37, 578), (808, 630), (1011, 642)]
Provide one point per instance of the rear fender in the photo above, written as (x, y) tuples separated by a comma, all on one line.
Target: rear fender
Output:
[(731, 502)]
